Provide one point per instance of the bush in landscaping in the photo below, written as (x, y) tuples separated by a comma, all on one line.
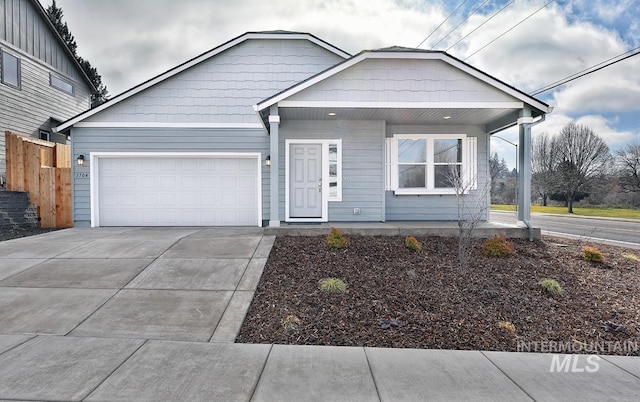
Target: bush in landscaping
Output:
[(632, 257), (507, 326), (332, 285), (592, 254), (551, 286), (336, 239), (497, 247), (291, 323), (412, 243)]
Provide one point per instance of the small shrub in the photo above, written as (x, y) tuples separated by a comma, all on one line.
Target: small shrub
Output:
[(632, 257), (551, 286), (387, 322), (332, 285), (336, 239), (291, 323), (497, 247), (592, 254), (412, 243), (507, 326)]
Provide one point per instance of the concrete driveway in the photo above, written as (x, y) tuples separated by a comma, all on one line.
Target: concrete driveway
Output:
[(140, 283), (151, 314)]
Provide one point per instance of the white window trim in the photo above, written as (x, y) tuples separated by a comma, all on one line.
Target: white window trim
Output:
[(325, 178), (94, 167), (468, 170)]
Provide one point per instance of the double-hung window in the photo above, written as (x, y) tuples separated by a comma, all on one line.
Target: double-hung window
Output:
[(430, 164), (10, 69)]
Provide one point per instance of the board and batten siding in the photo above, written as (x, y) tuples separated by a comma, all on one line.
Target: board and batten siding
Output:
[(223, 88), (439, 207), (24, 27), (402, 80), (362, 165), (86, 140)]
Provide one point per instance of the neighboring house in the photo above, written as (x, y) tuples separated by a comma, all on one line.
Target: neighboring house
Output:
[(279, 126), (41, 83)]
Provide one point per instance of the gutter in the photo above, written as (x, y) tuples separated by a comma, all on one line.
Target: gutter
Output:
[(528, 221)]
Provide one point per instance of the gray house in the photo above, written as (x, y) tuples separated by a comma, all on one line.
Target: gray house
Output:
[(41, 83), (275, 127)]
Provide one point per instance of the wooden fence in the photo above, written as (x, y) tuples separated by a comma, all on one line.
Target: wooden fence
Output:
[(43, 169)]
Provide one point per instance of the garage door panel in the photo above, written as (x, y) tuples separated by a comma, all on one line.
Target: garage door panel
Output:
[(176, 191)]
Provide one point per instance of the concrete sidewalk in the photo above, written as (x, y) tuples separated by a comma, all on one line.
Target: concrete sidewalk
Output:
[(152, 314), (99, 369)]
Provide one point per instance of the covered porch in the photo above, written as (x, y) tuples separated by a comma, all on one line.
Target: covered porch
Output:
[(411, 96)]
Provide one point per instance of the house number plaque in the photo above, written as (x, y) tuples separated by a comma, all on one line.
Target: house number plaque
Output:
[(82, 175)]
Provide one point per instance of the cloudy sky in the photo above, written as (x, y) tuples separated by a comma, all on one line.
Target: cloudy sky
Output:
[(130, 41)]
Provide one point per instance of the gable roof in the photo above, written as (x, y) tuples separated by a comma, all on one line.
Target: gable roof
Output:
[(397, 52), (43, 13), (198, 59)]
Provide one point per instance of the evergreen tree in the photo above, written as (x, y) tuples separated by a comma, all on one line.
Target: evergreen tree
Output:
[(100, 95)]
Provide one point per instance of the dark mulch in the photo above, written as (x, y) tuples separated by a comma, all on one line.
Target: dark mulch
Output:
[(437, 305), (8, 233)]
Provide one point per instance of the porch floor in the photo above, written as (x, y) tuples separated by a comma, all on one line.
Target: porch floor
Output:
[(402, 228)]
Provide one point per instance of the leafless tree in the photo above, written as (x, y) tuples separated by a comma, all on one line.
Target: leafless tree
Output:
[(628, 166), (582, 157), (472, 206), (543, 163)]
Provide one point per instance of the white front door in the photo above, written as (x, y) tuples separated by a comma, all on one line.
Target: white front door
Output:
[(305, 181)]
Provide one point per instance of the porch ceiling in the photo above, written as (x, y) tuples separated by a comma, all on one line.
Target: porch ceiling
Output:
[(436, 116)]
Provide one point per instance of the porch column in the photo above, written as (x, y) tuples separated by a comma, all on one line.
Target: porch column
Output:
[(524, 166), (274, 123)]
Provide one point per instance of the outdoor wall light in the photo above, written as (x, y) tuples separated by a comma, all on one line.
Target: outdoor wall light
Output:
[(80, 160), (268, 160)]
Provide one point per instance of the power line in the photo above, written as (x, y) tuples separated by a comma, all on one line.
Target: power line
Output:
[(458, 26), (442, 23), (567, 80), (509, 30), (479, 26), (547, 87)]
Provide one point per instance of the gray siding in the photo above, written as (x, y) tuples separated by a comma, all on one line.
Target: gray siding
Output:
[(86, 140), (438, 207), (25, 34), (402, 80), (24, 27), (224, 88), (362, 165), (28, 109)]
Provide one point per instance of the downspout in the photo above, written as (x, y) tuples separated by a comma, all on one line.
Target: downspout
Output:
[(527, 222)]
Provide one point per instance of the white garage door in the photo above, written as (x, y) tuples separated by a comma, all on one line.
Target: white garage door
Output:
[(178, 191)]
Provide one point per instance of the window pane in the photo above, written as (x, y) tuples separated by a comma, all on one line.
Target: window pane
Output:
[(445, 175), (412, 151), (61, 84), (333, 153), (447, 151), (411, 176), (10, 69)]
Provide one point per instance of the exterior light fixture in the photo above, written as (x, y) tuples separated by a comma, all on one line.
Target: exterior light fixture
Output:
[(446, 117), (80, 160), (268, 160), (331, 113)]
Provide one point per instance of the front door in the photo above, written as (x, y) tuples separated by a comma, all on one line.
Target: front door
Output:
[(305, 181)]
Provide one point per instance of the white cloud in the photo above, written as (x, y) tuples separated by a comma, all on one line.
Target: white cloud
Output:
[(131, 41)]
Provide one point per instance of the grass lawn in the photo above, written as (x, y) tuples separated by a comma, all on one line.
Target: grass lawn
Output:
[(603, 212)]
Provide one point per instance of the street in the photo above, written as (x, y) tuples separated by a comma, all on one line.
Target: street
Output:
[(600, 228)]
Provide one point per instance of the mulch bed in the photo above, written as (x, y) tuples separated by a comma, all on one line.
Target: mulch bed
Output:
[(439, 307)]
